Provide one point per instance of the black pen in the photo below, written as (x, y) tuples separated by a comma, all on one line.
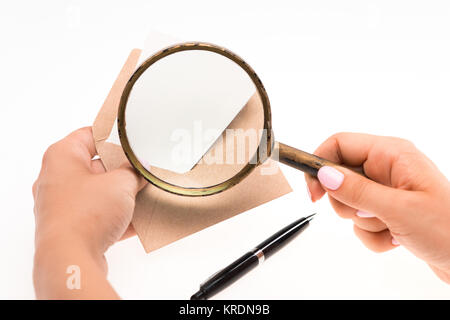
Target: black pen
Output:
[(250, 260)]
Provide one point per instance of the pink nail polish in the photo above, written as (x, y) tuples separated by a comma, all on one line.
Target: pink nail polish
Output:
[(363, 214), (395, 242), (330, 178)]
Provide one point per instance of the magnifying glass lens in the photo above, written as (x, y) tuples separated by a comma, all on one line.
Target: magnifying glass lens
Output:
[(193, 119)]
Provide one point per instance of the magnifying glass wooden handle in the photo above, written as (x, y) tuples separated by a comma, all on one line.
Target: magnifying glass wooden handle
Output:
[(301, 160)]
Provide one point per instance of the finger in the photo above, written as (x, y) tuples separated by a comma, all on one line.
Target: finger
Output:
[(375, 241), (128, 178), (77, 149), (130, 232), (349, 148), (371, 224), (373, 155), (314, 188), (358, 192), (97, 166), (85, 137), (342, 209), (340, 148)]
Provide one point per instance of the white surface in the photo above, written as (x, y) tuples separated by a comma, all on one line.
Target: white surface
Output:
[(371, 66), (177, 100)]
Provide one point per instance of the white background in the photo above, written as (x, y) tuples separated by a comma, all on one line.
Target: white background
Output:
[(381, 67)]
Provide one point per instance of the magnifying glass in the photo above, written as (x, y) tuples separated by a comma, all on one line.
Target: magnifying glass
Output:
[(194, 120)]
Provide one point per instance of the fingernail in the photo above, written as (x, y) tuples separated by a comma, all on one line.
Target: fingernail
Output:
[(363, 214), (395, 242), (309, 193), (330, 178)]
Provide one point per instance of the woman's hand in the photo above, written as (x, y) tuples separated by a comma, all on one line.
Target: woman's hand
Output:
[(80, 211), (405, 199)]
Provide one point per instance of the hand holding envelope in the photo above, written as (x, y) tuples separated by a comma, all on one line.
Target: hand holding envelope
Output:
[(161, 217)]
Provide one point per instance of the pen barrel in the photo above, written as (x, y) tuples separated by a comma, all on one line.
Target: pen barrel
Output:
[(283, 237), (229, 274)]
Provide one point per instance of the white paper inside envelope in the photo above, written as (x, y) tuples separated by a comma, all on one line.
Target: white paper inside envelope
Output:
[(180, 106)]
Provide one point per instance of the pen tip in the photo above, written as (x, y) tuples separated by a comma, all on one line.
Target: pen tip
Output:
[(309, 218), (200, 295)]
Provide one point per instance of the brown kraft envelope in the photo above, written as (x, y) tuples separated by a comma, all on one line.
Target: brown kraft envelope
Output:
[(160, 217)]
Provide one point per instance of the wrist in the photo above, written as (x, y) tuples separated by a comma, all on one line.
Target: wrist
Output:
[(64, 268), (52, 246), (69, 234)]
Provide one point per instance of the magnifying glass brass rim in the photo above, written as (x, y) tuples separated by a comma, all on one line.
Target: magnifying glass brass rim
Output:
[(263, 151)]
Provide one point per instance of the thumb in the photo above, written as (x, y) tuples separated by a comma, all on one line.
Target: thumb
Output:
[(359, 192), (128, 178)]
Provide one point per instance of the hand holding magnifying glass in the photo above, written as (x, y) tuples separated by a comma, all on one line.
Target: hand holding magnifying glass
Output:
[(379, 209)]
